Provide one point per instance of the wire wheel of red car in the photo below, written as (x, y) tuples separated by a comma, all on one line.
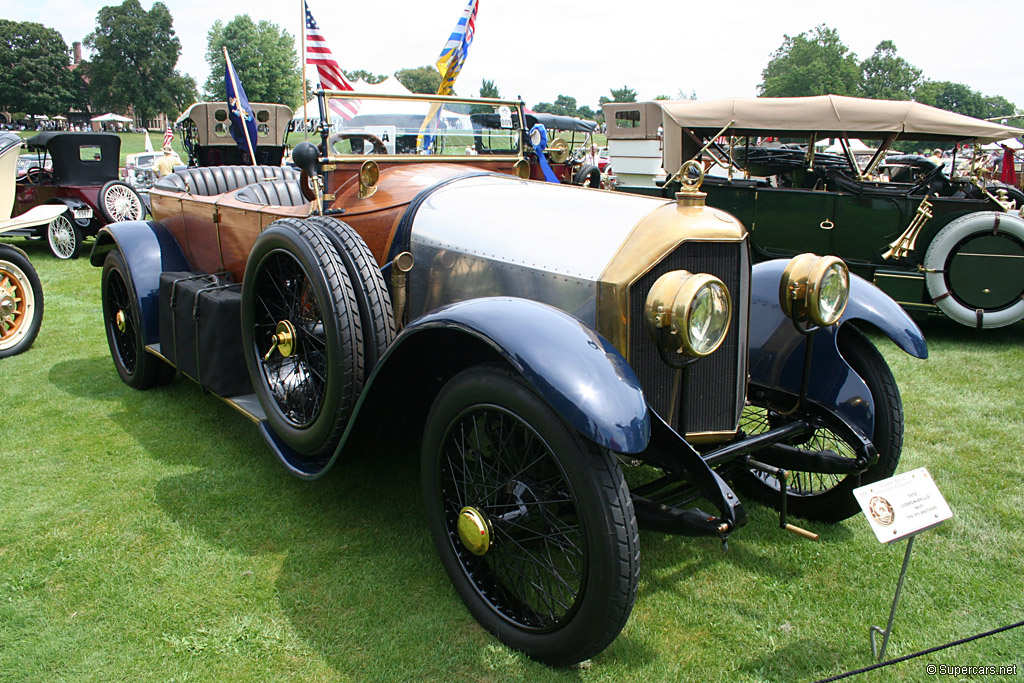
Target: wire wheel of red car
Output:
[(534, 525), (302, 336), (64, 236), (119, 202), (21, 301), (137, 367), (829, 497)]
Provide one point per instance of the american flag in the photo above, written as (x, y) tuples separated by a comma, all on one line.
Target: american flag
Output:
[(168, 136), (453, 55), (331, 75)]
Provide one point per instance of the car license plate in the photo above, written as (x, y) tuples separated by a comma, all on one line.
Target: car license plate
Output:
[(83, 213)]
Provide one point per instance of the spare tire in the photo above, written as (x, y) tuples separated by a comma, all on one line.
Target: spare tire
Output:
[(587, 175), (972, 269), (375, 312), (302, 336)]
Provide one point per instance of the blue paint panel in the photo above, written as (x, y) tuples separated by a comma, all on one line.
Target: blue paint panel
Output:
[(148, 249), (777, 349), (584, 378)]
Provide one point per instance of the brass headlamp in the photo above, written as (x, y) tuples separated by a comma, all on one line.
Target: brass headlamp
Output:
[(687, 315), (814, 289)]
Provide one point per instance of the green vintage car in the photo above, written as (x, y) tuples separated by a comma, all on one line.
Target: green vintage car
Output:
[(935, 243)]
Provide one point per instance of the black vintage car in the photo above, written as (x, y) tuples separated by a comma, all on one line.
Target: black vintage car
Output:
[(936, 244), (443, 294), (85, 179)]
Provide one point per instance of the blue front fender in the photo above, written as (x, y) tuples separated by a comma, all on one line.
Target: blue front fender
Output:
[(777, 349), (584, 378), (148, 249)]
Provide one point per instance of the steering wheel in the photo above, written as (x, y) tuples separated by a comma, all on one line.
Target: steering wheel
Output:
[(38, 176), (378, 146), (926, 179)]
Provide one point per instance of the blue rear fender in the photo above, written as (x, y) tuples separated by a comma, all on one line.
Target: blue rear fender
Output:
[(148, 249), (777, 349)]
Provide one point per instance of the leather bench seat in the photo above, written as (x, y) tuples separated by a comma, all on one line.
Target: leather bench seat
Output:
[(280, 192), (209, 181)]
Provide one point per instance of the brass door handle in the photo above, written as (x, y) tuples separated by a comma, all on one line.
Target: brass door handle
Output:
[(827, 224)]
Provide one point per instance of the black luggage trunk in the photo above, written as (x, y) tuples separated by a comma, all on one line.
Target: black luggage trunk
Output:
[(201, 330)]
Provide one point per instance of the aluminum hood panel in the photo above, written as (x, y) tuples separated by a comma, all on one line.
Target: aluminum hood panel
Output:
[(568, 231)]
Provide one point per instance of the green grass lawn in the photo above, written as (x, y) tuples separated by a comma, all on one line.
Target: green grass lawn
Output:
[(151, 536)]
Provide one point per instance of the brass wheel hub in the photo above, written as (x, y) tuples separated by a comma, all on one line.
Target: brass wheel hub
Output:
[(283, 340), (474, 530), (121, 321)]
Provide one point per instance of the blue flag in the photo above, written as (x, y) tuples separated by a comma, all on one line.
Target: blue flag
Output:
[(243, 123)]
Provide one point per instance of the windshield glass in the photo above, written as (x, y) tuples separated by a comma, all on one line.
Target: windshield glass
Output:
[(362, 124)]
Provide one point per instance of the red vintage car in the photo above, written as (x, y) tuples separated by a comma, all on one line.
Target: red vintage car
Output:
[(84, 178)]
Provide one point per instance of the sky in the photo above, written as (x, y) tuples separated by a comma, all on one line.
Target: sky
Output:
[(583, 49)]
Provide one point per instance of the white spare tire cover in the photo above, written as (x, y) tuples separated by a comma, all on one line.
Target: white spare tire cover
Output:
[(975, 269)]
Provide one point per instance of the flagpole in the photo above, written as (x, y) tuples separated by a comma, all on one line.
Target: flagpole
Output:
[(305, 96), (241, 116)]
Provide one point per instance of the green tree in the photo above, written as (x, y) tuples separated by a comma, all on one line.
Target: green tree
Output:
[(34, 73), (367, 76), (135, 53), (488, 89), (955, 97), (623, 94), (264, 57), (815, 63), (887, 76), (421, 79)]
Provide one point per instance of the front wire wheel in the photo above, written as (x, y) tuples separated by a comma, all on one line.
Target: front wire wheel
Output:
[(64, 236), (21, 302), (829, 497), (534, 525)]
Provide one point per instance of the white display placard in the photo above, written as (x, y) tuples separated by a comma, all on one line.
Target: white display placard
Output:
[(903, 505)]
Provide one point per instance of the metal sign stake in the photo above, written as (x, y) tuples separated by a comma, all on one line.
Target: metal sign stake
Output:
[(892, 612)]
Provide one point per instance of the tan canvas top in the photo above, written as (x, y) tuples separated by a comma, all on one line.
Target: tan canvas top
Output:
[(832, 115)]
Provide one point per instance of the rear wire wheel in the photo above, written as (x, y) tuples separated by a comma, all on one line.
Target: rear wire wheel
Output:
[(829, 497), (137, 367), (302, 336), (534, 525)]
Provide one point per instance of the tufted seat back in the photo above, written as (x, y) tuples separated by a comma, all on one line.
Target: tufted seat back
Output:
[(280, 192), (213, 180)]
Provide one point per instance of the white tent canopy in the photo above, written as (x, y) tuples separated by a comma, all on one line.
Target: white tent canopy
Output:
[(110, 117)]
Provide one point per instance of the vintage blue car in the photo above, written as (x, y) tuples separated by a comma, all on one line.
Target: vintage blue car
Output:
[(539, 339)]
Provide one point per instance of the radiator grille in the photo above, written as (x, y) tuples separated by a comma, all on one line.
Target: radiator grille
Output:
[(717, 384)]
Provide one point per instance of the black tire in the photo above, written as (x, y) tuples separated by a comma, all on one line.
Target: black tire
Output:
[(559, 580), (21, 301), (294, 275), (119, 202), (137, 367), (587, 175), (64, 236), (375, 312), (829, 497)]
